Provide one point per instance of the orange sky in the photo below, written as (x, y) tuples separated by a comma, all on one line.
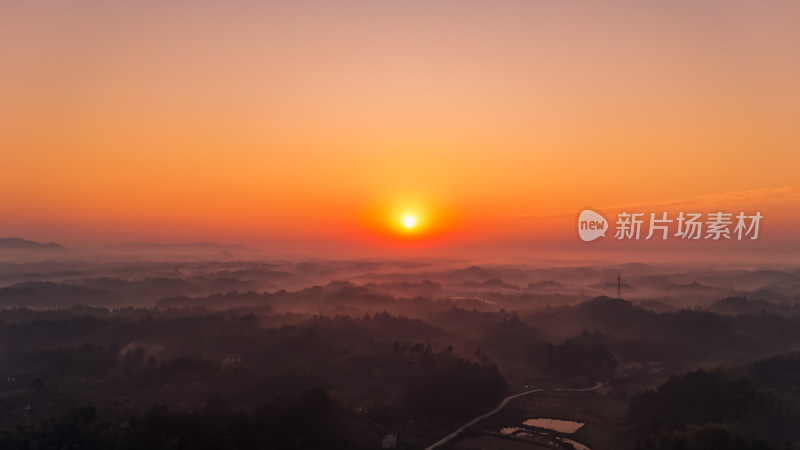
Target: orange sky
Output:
[(316, 126)]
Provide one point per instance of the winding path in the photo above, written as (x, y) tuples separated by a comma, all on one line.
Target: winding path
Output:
[(502, 405)]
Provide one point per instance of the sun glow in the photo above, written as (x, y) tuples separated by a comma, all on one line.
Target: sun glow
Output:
[(408, 220)]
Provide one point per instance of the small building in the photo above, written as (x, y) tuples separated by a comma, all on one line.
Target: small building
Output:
[(654, 367), (627, 369), (381, 437), (231, 360)]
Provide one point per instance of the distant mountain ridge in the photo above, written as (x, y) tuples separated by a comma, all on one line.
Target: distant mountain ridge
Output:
[(180, 245), (177, 247), (15, 243), (19, 246)]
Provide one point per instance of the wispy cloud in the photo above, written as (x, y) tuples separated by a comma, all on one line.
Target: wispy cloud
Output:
[(715, 200)]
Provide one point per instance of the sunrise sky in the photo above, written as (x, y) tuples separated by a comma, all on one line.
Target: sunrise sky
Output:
[(318, 126)]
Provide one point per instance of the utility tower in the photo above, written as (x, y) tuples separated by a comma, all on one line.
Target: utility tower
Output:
[(619, 285)]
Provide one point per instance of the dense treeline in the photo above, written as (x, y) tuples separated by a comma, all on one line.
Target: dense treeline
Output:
[(418, 377), (585, 355), (685, 337), (750, 407), (314, 421), (383, 368), (455, 391)]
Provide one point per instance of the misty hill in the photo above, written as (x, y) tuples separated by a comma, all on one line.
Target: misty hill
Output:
[(54, 295), (623, 319), (102, 291), (545, 284), (193, 248), (472, 273), (334, 295), (743, 305), (17, 244), (687, 334), (424, 287), (494, 283), (217, 301), (656, 306), (598, 313)]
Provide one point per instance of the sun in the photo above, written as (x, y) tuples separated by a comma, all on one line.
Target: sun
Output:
[(409, 221)]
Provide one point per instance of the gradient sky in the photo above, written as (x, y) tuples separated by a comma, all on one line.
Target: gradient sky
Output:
[(315, 126)]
